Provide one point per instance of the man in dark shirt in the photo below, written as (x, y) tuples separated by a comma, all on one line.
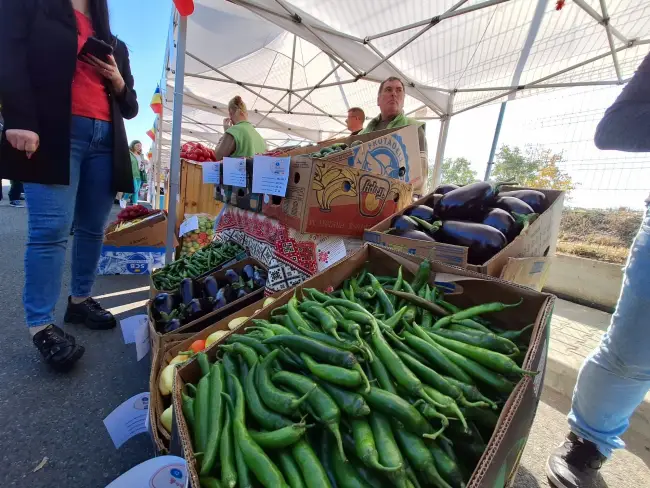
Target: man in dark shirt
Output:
[(615, 378)]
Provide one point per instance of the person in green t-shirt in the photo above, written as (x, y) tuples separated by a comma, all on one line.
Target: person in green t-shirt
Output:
[(241, 140), (135, 149)]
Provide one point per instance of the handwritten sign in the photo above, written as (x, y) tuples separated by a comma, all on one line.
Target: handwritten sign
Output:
[(211, 173), (270, 175), (234, 172), (128, 419), (189, 225)]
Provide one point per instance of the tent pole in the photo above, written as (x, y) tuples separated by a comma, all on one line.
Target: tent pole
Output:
[(440, 151), (177, 119), (495, 141), (610, 39), (158, 164), (293, 62), (596, 16)]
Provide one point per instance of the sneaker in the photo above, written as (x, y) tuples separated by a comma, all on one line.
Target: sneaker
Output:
[(574, 464), (91, 314), (17, 204), (57, 348)]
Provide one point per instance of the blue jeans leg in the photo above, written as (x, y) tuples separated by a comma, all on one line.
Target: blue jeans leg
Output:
[(615, 378), (51, 208)]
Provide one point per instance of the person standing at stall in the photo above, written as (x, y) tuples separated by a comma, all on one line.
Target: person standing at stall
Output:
[(135, 153), (64, 137), (390, 100), (241, 140), (615, 377), (355, 120)]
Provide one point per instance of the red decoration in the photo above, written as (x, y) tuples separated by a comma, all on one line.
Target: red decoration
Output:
[(559, 4), (185, 7)]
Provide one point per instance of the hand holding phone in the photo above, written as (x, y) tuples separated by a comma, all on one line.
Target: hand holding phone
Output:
[(95, 47)]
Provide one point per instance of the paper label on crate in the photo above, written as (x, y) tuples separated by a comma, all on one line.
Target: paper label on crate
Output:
[(234, 172), (128, 420), (130, 324), (159, 472), (270, 175), (211, 173), (189, 225), (141, 336)]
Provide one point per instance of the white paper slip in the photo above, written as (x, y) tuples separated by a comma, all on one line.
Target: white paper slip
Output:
[(211, 173), (128, 419), (270, 175), (159, 472), (129, 326), (189, 225), (141, 336), (234, 172)]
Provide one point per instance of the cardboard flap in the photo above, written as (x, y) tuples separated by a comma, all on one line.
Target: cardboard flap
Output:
[(530, 272)]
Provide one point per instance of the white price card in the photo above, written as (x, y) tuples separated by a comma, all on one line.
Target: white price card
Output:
[(130, 324), (159, 472), (189, 225), (270, 175), (128, 419), (211, 173), (234, 172), (141, 336)]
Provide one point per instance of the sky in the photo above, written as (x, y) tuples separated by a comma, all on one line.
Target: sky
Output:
[(143, 26)]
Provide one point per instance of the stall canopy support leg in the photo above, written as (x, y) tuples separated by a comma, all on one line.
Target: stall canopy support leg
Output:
[(177, 119), (495, 141), (440, 151)]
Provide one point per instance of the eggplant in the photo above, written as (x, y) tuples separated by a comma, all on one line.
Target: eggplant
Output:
[(241, 293), (232, 276), (172, 325), (420, 211), (446, 188), (259, 278), (248, 272), (468, 202), (513, 205), (163, 303), (227, 293), (411, 234), (404, 222), (503, 222), (219, 302), (195, 309), (536, 199), (433, 200), (187, 291), (482, 241), (210, 287)]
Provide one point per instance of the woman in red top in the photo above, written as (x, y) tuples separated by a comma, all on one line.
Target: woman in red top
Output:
[(64, 137)]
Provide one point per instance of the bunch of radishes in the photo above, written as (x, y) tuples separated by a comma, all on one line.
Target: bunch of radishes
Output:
[(195, 151), (133, 212)]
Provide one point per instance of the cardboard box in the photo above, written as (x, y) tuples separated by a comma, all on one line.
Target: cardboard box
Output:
[(201, 323), (539, 241), (325, 197), (501, 458), (393, 153), (134, 250)]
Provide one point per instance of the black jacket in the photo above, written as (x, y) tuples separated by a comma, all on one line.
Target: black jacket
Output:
[(38, 56)]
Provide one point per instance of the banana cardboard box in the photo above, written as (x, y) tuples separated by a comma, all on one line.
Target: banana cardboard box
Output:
[(325, 197)]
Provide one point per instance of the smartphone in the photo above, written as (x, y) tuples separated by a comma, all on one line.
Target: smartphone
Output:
[(97, 48)]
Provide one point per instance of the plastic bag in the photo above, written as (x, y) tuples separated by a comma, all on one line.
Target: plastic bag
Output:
[(197, 231)]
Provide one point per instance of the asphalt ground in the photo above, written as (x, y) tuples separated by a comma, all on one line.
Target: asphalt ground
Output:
[(59, 416)]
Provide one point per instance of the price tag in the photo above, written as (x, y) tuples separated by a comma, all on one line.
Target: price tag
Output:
[(189, 225), (211, 173), (234, 172), (141, 337), (270, 175)]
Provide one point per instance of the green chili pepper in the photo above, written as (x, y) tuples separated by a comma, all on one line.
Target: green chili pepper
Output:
[(284, 437), (330, 341), (286, 321), (333, 374), (471, 393), (248, 353), (346, 304), (326, 320), (317, 295), (208, 482), (322, 406), (316, 349), (396, 407), (513, 335), (420, 302), (276, 399), (447, 467), (365, 446), (275, 328), (226, 453), (421, 276), (485, 341), (188, 411), (202, 414), (247, 340), (204, 364), (386, 304), (215, 418), (311, 468), (389, 452), (426, 346), (352, 404), (290, 469), (468, 313), (346, 476), (268, 419)]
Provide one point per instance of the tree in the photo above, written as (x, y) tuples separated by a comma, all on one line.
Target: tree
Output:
[(535, 167), (457, 171)]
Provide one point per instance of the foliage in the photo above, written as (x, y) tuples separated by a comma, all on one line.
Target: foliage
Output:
[(534, 166), (457, 171)]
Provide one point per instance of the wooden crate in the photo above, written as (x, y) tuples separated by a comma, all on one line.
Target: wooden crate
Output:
[(195, 196)]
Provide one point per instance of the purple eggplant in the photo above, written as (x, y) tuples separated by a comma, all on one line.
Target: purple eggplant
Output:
[(247, 272), (259, 278), (513, 205), (172, 325), (433, 200), (468, 202), (420, 211), (446, 188), (219, 302), (411, 234), (503, 222), (210, 287), (227, 293), (482, 241), (232, 276), (536, 199), (404, 222), (241, 293), (162, 304), (187, 291)]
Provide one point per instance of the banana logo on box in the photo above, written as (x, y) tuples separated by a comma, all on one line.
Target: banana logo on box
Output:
[(385, 156), (331, 182)]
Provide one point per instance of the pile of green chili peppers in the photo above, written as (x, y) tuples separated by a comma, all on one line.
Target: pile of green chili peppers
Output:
[(380, 383)]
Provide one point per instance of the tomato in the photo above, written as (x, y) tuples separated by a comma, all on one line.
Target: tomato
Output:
[(198, 345)]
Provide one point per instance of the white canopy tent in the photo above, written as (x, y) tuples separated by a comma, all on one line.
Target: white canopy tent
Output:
[(300, 64)]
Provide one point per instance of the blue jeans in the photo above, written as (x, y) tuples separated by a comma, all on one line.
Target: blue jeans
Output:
[(52, 208), (133, 197), (614, 379)]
